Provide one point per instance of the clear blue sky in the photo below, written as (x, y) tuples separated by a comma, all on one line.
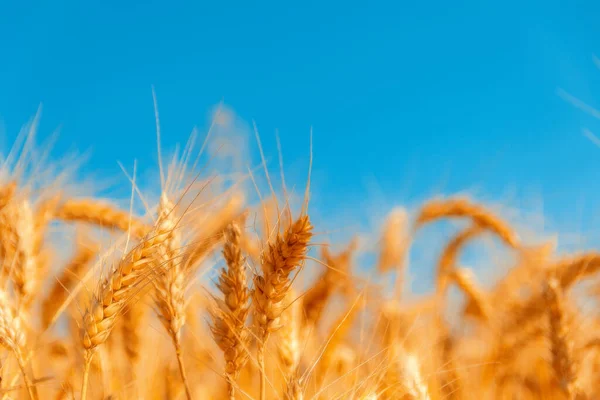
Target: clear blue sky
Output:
[(408, 97)]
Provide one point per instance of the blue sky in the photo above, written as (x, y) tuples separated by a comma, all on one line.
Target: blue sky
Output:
[(405, 98)]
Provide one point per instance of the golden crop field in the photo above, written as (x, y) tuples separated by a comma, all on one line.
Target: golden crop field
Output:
[(204, 294)]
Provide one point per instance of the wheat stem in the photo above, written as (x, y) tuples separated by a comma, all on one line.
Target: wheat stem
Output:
[(260, 358), (230, 387), (28, 384), (86, 373), (182, 371)]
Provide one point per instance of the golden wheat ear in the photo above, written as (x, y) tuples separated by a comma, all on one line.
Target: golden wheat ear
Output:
[(170, 282), (230, 313), (283, 255), (101, 214), (114, 293), (461, 207)]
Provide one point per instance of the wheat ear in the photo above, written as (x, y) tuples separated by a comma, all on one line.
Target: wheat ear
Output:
[(170, 285), (280, 258), (229, 316), (101, 214), (463, 208), (113, 295)]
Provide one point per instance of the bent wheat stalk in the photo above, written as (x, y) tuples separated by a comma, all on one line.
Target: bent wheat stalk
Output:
[(449, 256)]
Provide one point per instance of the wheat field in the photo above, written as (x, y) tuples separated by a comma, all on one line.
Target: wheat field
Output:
[(205, 294)]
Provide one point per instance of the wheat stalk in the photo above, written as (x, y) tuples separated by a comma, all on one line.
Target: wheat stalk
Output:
[(478, 305), (70, 275), (448, 259), (289, 344)]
